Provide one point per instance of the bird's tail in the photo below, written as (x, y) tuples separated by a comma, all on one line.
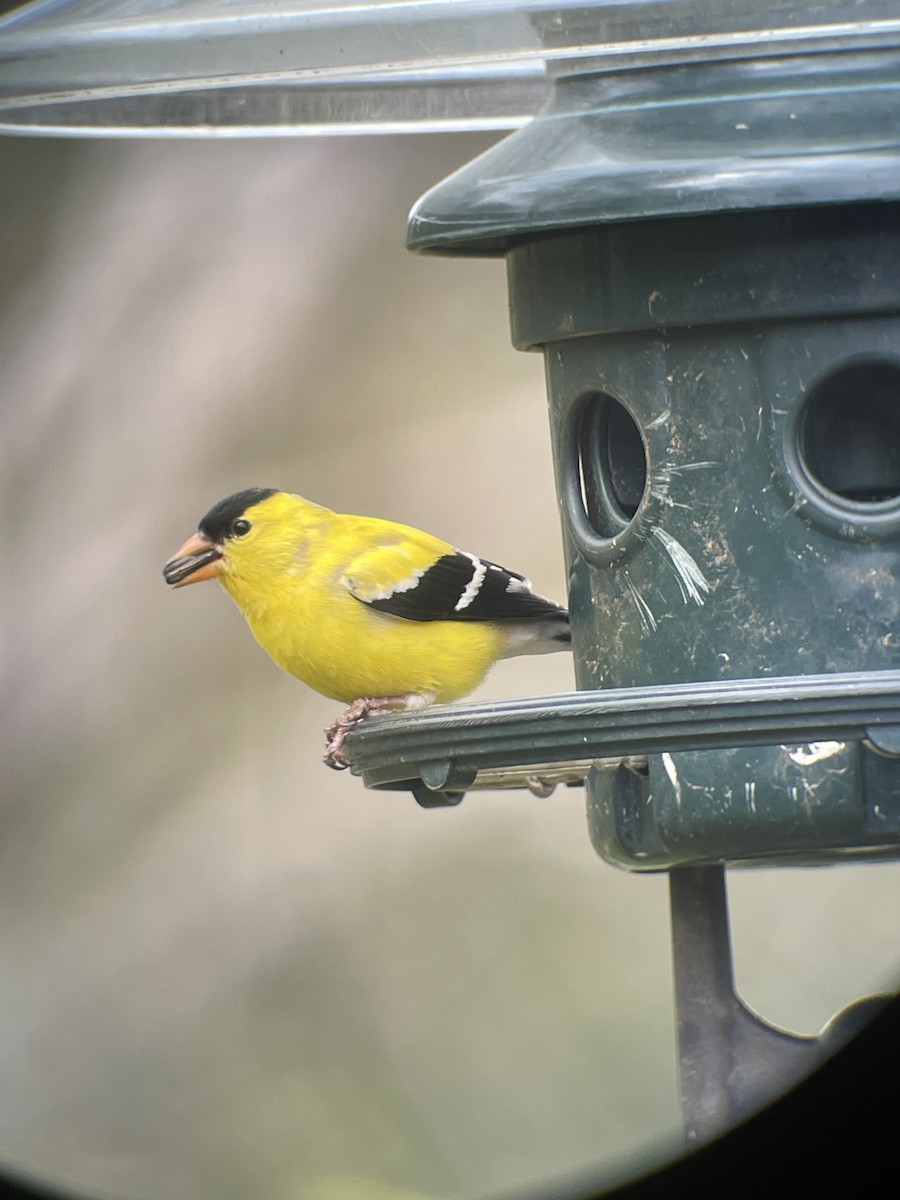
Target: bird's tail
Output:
[(543, 636)]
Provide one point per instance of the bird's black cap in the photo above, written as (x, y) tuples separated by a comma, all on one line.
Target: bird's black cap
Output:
[(218, 521)]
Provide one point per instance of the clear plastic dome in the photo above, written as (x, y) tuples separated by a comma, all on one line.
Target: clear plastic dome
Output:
[(229, 66)]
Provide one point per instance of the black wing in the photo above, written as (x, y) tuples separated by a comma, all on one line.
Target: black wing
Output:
[(461, 587)]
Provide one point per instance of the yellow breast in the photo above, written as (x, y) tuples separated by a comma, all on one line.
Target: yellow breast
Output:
[(345, 650)]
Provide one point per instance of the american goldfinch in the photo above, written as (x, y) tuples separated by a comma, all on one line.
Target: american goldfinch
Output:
[(369, 612)]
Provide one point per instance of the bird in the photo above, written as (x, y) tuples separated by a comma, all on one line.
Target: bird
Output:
[(378, 615)]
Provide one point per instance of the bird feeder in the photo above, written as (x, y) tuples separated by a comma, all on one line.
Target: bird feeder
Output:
[(702, 237), (705, 249)]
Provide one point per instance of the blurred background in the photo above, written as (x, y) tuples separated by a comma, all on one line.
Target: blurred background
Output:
[(226, 971)]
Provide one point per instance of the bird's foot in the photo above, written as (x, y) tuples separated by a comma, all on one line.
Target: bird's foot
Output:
[(366, 706), (337, 731)]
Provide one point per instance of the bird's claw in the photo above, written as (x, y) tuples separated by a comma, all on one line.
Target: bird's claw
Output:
[(337, 731), (334, 739), (334, 759)]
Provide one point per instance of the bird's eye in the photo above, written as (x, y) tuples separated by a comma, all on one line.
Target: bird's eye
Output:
[(240, 527)]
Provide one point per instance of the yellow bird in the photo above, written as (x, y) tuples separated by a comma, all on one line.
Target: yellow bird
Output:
[(375, 614)]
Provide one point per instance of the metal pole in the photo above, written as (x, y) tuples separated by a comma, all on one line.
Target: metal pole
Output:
[(731, 1063)]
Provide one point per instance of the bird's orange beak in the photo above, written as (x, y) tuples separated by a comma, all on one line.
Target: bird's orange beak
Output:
[(198, 559)]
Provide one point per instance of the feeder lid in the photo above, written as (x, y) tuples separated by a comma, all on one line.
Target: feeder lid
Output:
[(244, 67)]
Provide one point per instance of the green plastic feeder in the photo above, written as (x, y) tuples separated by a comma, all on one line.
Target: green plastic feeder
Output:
[(705, 247), (707, 255)]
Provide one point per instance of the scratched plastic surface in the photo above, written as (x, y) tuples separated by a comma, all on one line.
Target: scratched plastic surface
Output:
[(767, 535)]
